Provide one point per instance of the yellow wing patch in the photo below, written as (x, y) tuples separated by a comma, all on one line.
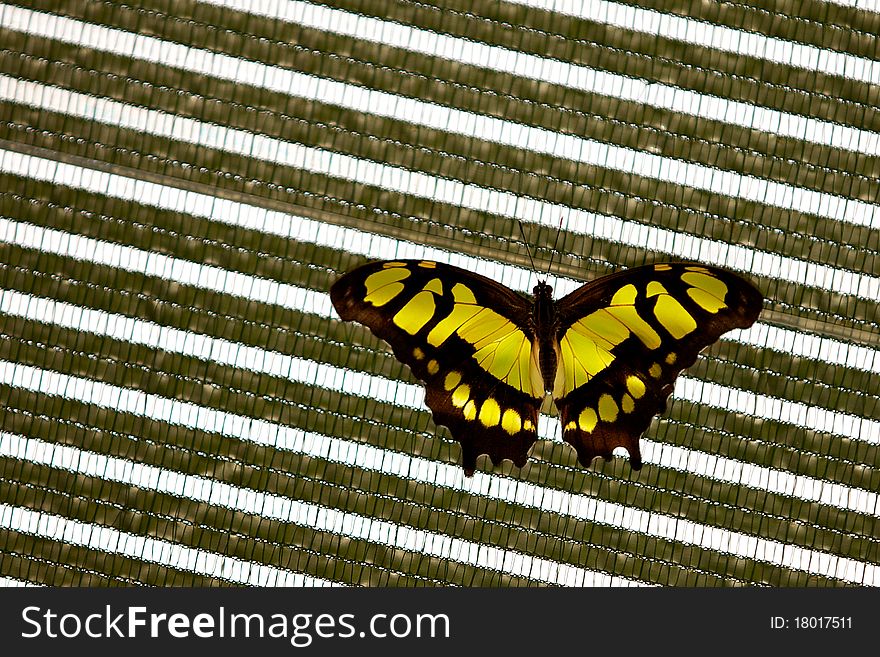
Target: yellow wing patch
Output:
[(460, 314), (674, 318), (500, 348), (384, 285), (585, 349), (508, 359), (435, 285), (707, 291), (607, 408), (581, 359), (484, 327), (635, 386), (511, 421), (461, 395), (417, 312), (490, 413), (463, 294), (623, 309), (587, 420), (452, 380)]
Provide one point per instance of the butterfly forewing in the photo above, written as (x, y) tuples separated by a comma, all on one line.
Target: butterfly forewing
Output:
[(624, 338), (466, 337)]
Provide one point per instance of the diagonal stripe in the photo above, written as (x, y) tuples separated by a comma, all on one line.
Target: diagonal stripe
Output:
[(583, 506), (642, 91), (146, 549), (284, 509), (237, 355), (680, 245), (729, 183), (708, 35)]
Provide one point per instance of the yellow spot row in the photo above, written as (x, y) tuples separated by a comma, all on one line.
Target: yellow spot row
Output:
[(489, 413), (608, 410)]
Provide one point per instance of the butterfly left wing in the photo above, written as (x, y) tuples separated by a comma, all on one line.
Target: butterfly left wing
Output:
[(468, 338), (624, 338)]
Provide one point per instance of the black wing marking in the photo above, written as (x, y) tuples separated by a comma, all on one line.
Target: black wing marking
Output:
[(466, 337), (625, 338)]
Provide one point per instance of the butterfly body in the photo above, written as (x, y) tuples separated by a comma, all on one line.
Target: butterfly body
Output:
[(608, 353), (545, 344)]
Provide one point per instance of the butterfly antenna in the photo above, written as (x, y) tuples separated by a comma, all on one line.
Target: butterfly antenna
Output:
[(526, 243), (555, 244)]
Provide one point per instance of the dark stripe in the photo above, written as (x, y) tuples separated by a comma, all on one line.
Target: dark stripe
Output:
[(183, 311), (586, 546), (264, 407), (788, 161), (56, 563)]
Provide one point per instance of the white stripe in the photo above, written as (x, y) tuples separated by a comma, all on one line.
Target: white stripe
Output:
[(266, 291), (151, 550), (253, 359), (805, 345), (9, 582), (284, 509), (528, 210), (249, 429), (637, 90), (702, 33), (863, 5), (729, 183), (367, 244)]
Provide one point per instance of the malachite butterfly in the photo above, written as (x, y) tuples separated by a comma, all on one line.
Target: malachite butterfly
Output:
[(608, 353)]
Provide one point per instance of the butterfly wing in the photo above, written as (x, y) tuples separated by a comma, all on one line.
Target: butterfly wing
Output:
[(468, 338), (624, 338)]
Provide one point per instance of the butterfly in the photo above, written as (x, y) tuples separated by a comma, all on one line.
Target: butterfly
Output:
[(608, 353)]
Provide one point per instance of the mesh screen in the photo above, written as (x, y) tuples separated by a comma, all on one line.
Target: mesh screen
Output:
[(182, 182)]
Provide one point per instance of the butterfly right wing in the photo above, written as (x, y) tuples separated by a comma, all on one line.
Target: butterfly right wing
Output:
[(624, 339), (468, 338)]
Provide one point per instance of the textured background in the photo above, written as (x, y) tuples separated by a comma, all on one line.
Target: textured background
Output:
[(182, 181)]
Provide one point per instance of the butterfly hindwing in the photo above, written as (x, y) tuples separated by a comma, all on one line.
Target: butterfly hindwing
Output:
[(624, 338), (466, 337)]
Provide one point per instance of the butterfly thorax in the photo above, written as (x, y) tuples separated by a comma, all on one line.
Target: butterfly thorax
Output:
[(545, 346)]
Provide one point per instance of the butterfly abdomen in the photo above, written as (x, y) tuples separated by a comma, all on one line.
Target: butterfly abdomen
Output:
[(545, 348)]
